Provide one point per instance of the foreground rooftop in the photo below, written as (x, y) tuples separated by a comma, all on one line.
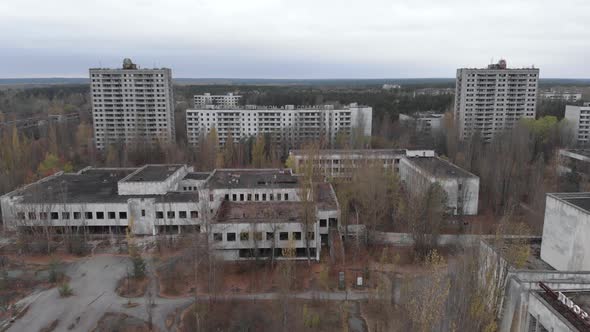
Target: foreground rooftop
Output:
[(440, 168)]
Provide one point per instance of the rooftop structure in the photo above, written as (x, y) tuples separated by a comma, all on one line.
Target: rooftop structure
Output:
[(461, 186), (493, 99), (156, 199), (288, 125), (206, 100)]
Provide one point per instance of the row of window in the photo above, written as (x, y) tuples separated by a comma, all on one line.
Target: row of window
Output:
[(257, 197), (258, 236), (172, 214), (72, 215)]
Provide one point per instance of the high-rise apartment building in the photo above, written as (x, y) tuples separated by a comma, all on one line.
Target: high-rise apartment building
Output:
[(578, 117), (289, 125), (207, 99), (130, 104), (491, 100)]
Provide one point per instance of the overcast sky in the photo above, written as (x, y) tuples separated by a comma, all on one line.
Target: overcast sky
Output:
[(294, 38)]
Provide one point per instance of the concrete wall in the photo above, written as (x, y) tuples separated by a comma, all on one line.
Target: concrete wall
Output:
[(547, 316), (566, 231)]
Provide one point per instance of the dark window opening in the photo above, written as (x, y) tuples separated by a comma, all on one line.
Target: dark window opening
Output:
[(54, 215), (234, 197), (181, 214), (286, 197), (323, 223), (270, 235), (244, 236), (77, 215), (65, 215), (218, 237), (241, 197), (99, 215), (194, 214), (159, 215), (297, 235), (283, 236), (333, 222), (32, 215), (170, 214), (231, 237), (88, 215), (122, 215), (112, 215), (143, 213)]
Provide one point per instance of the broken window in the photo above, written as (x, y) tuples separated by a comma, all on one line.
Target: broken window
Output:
[(54, 215), (43, 216), (211, 197), (244, 236), (227, 197), (264, 197), (286, 197), (170, 214), (297, 235), (258, 236), (323, 223), (194, 214), (20, 215), (270, 235), (159, 215), (65, 215), (310, 235), (283, 236), (231, 237), (77, 215), (181, 214), (122, 215), (234, 197), (218, 237), (143, 213), (88, 215), (112, 215), (333, 222), (249, 197), (278, 197), (99, 215), (256, 197), (32, 215), (271, 197), (241, 197)]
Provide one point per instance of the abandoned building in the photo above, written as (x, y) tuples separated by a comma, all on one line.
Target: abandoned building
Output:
[(550, 289), (245, 212), (461, 186), (338, 163)]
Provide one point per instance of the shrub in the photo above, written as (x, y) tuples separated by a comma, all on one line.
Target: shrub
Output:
[(65, 290)]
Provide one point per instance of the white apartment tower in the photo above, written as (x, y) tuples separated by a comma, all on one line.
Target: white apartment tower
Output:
[(491, 100), (130, 104), (207, 99), (578, 117), (289, 124)]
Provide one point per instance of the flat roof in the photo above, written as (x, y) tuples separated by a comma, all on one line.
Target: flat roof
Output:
[(579, 200), (440, 168), (153, 173), (325, 198), (259, 212), (581, 152), (252, 178), (580, 298), (533, 261), (94, 185), (197, 175), (357, 151)]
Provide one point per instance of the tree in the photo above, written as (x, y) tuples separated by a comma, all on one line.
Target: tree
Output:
[(258, 154), (426, 307)]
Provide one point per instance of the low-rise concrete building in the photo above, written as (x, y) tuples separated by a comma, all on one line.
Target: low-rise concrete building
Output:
[(461, 186), (426, 122), (578, 118), (566, 96), (156, 199), (574, 160), (337, 163)]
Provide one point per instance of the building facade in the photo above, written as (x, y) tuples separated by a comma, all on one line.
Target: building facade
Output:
[(461, 187), (426, 122), (243, 213), (207, 99), (565, 96), (491, 100), (130, 104), (578, 118), (341, 163), (288, 124)]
